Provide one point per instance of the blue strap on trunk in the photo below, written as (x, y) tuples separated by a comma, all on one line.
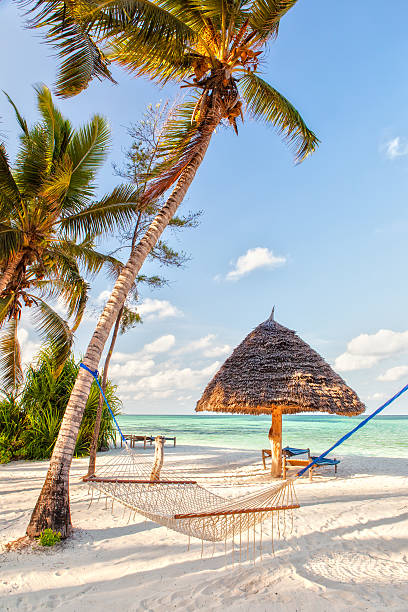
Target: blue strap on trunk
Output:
[(95, 374)]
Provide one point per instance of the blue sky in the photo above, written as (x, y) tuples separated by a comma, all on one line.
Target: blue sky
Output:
[(325, 241)]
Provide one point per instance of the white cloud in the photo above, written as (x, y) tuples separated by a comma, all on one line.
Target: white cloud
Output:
[(184, 398), (29, 349), (163, 394), (205, 345), (258, 257), (131, 368), (120, 357), (366, 350), (170, 379), (375, 396), (198, 345), (151, 309), (394, 373), (347, 362), (384, 342), (103, 297), (161, 345), (396, 147), (217, 351)]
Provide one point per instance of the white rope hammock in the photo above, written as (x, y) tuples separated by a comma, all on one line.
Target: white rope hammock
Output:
[(185, 506)]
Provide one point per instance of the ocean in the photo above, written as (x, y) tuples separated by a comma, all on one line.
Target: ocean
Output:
[(383, 436)]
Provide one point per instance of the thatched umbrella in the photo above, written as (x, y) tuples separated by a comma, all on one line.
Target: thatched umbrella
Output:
[(273, 371)]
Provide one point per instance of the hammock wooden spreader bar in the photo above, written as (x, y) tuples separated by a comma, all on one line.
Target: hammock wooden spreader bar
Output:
[(231, 512), (138, 481)]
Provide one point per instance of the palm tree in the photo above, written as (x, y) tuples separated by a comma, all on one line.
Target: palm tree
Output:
[(48, 225), (220, 64)]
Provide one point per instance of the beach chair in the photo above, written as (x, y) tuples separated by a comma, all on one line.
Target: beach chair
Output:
[(326, 462), (289, 451)]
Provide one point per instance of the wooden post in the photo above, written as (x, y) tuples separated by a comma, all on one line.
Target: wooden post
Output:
[(275, 439), (158, 458)]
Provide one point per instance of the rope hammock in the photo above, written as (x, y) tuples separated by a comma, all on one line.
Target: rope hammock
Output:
[(184, 506)]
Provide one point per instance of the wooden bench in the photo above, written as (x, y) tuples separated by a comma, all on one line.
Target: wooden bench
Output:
[(132, 439)]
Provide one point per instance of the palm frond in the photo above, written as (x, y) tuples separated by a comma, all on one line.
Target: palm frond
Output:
[(265, 16), (265, 102), (59, 130), (68, 32), (188, 11), (5, 305), (88, 259), (32, 164), (74, 29), (55, 187), (116, 209), (68, 287), (10, 196), (20, 119), (10, 357), (52, 328), (159, 60), (111, 17), (87, 151), (11, 241)]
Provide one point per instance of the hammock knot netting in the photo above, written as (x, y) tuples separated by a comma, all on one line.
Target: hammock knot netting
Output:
[(184, 505)]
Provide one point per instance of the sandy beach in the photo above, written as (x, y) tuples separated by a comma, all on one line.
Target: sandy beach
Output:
[(348, 549)]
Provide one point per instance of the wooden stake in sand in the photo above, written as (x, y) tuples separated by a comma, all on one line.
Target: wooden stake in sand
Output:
[(158, 458)]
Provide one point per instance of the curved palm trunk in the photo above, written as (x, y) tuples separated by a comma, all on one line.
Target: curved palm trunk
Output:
[(95, 437), (52, 508), (10, 270)]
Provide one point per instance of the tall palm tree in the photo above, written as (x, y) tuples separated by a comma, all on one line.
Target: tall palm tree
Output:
[(220, 64), (48, 225)]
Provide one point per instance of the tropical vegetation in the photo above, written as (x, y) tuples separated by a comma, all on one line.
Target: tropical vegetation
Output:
[(215, 49), (49, 223), (30, 421)]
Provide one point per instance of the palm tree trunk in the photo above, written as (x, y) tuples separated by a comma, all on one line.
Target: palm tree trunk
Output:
[(52, 508), (94, 443), (10, 270)]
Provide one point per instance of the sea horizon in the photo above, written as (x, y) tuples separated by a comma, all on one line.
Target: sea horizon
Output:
[(383, 436)]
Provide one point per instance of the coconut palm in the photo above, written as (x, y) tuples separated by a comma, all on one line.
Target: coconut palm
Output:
[(48, 225), (220, 65)]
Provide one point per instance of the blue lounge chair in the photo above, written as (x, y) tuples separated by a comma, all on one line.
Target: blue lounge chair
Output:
[(289, 451), (326, 462)]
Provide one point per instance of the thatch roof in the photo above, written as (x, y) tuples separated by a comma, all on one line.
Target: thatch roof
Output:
[(273, 368)]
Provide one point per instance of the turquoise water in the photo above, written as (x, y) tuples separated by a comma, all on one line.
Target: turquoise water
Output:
[(384, 436)]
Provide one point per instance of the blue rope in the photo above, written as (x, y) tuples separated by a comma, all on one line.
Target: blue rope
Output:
[(95, 374), (350, 433)]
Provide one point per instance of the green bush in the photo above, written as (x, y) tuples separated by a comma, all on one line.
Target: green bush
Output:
[(29, 425), (49, 538)]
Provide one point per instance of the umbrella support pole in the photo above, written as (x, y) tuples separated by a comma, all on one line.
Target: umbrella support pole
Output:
[(275, 439)]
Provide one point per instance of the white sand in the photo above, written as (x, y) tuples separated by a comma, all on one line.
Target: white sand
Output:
[(348, 549)]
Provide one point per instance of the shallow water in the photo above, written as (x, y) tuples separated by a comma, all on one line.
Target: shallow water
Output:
[(383, 436)]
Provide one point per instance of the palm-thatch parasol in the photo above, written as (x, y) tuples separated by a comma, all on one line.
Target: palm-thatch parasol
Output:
[(273, 371)]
